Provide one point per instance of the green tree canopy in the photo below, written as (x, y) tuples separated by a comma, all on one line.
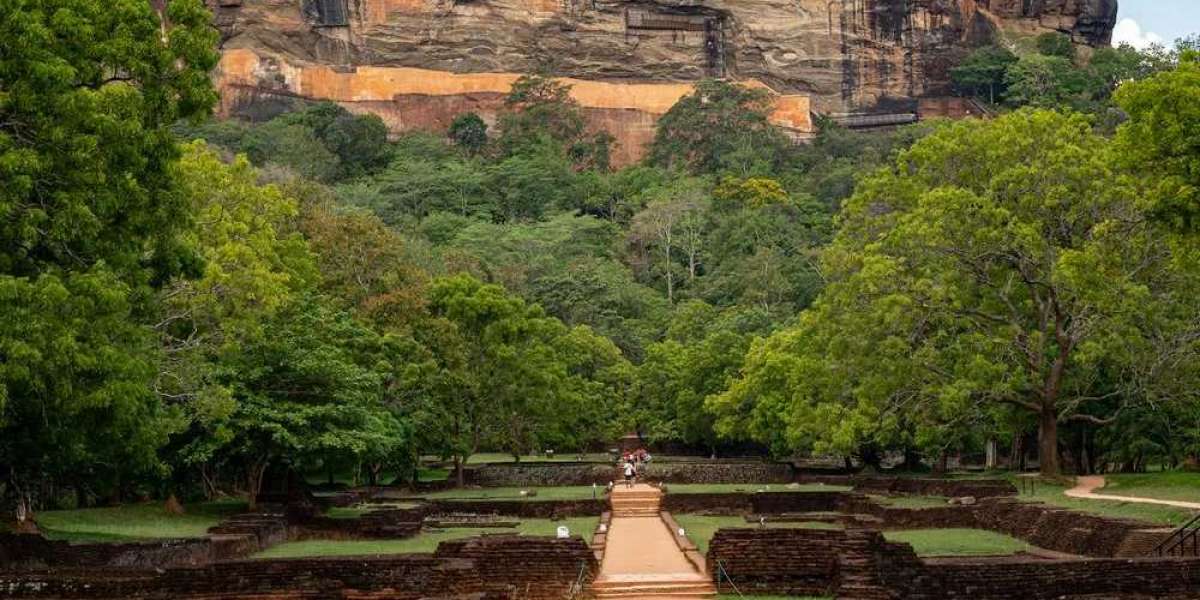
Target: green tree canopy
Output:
[(1003, 262), (89, 223), (1162, 137), (720, 127), (983, 72)]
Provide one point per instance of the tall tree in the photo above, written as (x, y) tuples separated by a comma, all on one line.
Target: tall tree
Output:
[(1161, 136), (720, 127), (983, 72), (1000, 262), (88, 220)]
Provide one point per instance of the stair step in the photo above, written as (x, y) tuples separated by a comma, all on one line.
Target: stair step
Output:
[(652, 585), (655, 590), (690, 593)]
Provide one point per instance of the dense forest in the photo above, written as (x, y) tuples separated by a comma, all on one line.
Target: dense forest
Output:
[(189, 301)]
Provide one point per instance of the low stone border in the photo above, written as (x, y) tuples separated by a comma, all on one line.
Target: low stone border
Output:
[(538, 568), (600, 536), (686, 545), (862, 564), (236, 537), (526, 509)]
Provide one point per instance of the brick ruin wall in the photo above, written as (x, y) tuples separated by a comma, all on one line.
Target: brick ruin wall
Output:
[(535, 567), (1044, 526), (236, 537), (525, 509), (1040, 580), (26, 551), (404, 577), (776, 562), (861, 564), (499, 566), (917, 486), (745, 472), (393, 523), (750, 473), (542, 475)]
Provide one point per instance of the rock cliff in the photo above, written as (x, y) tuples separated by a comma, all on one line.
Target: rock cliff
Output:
[(417, 62)]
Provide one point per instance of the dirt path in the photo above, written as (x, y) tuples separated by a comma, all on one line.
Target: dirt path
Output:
[(641, 558), (1085, 488), (641, 546)]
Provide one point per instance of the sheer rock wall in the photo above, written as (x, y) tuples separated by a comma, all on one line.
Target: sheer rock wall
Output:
[(419, 62)]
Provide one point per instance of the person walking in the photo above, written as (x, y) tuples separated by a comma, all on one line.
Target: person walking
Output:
[(630, 474)]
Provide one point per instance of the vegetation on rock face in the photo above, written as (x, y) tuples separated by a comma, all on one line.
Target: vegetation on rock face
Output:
[(182, 315)]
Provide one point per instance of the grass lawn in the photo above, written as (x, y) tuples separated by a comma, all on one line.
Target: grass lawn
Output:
[(1168, 485), (700, 529), (132, 522), (570, 492), (912, 501), (432, 474), (427, 541), (358, 510), (727, 488), (958, 542), (1052, 493)]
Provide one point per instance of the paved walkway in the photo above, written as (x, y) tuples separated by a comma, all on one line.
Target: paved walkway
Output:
[(641, 558), (643, 546), (1085, 488)]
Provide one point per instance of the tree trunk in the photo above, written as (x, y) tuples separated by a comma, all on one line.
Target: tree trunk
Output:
[(459, 477), (1048, 442), (992, 451), (940, 467), (254, 479), (114, 498)]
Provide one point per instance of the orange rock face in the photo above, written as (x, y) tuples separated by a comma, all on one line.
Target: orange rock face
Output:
[(408, 98), (414, 62)]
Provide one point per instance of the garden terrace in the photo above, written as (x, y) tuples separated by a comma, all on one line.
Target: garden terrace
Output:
[(863, 564), (426, 539), (541, 568)]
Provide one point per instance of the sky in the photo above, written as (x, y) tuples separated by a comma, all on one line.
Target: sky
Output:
[(1144, 22)]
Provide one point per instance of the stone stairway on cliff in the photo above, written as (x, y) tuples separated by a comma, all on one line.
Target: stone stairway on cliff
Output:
[(641, 557)]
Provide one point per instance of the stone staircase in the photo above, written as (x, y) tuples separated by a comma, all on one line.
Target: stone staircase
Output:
[(681, 586), (649, 567), (640, 501), (858, 577)]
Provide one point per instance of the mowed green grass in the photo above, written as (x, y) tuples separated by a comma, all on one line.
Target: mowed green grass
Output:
[(1170, 485), (1052, 493), (730, 488), (958, 542), (575, 492), (133, 522), (426, 542), (700, 528), (358, 510), (912, 501)]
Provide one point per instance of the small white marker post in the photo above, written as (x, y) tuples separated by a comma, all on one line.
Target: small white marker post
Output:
[(563, 532)]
